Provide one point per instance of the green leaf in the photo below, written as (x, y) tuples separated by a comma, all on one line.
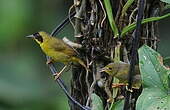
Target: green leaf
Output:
[(155, 94), (117, 105), (169, 82), (133, 25), (126, 6), (167, 6), (166, 1), (167, 61), (97, 103), (117, 53), (110, 17), (115, 92)]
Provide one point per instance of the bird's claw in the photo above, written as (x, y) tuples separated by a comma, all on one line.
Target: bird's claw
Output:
[(117, 85), (130, 90), (56, 76), (49, 61), (110, 100)]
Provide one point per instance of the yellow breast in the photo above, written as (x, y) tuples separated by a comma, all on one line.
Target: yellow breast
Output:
[(57, 56)]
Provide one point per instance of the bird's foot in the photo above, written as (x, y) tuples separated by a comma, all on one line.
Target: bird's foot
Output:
[(130, 90), (49, 61), (110, 100), (56, 75), (117, 85)]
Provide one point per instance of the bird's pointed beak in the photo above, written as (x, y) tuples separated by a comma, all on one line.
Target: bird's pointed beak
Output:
[(30, 36)]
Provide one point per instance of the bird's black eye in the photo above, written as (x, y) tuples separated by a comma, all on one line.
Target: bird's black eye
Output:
[(109, 68), (38, 37)]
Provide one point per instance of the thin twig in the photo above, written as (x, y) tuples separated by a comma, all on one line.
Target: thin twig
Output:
[(78, 19), (92, 85), (72, 44), (70, 19), (131, 15), (104, 18), (94, 77), (87, 76)]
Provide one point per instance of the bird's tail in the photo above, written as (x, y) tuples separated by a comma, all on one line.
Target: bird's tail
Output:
[(77, 60)]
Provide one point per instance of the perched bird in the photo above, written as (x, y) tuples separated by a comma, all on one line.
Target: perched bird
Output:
[(57, 49), (120, 71)]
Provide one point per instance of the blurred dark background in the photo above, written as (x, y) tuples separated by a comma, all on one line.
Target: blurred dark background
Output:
[(25, 80)]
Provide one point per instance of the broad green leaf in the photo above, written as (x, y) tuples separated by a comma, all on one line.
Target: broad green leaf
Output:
[(126, 6), (167, 61), (166, 1), (169, 81), (167, 6), (117, 105), (133, 25), (97, 103), (155, 94), (111, 18)]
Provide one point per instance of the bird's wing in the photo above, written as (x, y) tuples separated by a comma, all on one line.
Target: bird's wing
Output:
[(61, 46)]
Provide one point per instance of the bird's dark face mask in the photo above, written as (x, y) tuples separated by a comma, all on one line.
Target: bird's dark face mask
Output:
[(38, 38)]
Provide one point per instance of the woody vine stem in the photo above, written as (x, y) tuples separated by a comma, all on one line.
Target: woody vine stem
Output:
[(135, 45)]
